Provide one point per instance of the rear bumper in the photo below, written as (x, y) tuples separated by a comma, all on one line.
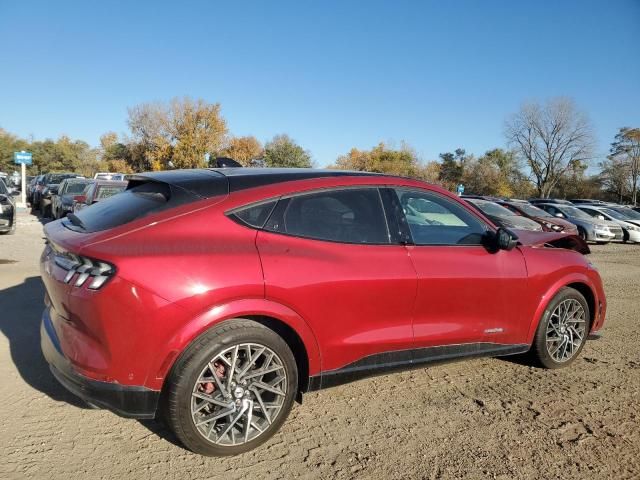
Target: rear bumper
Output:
[(126, 401)]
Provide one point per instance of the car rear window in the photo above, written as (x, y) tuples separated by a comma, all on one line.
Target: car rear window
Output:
[(106, 191), (75, 188), (133, 203)]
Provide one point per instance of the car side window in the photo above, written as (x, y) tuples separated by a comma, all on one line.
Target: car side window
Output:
[(254, 215), (436, 220), (352, 215)]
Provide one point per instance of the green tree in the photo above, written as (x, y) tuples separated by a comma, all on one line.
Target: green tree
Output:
[(282, 151), (8, 145), (626, 149), (382, 159), (115, 155), (452, 168)]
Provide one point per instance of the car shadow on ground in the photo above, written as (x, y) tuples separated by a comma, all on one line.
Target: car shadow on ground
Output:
[(20, 312), (38, 215)]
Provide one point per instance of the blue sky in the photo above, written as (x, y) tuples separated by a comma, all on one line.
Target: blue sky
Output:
[(332, 74)]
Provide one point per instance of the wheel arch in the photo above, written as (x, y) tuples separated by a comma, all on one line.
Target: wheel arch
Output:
[(578, 282), (279, 318)]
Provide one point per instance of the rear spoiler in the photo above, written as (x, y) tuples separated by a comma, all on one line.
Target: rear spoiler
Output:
[(197, 182)]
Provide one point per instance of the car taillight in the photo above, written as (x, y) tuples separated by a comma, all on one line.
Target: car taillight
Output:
[(84, 271), (79, 198)]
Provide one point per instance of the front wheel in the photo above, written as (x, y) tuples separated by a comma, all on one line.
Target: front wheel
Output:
[(563, 330), (582, 233), (232, 389)]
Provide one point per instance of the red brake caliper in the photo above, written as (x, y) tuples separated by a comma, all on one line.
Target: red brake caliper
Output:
[(209, 387)]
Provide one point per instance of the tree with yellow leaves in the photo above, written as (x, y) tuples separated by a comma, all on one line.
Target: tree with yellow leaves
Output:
[(178, 134)]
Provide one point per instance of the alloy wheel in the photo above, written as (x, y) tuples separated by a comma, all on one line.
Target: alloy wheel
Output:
[(566, 330), (238, 394)]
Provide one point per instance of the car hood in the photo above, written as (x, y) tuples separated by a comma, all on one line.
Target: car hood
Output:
[(553, 239), (519, 222)]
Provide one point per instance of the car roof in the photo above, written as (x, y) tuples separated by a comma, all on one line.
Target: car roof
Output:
[(209, 182)]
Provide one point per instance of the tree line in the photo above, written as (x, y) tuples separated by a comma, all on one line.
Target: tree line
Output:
[(549, 147)]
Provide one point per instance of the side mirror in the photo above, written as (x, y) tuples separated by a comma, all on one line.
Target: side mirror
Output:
[(502, 239), (506, 240)]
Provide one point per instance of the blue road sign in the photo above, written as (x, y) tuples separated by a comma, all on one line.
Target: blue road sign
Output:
[(460, 189), (22, 157)]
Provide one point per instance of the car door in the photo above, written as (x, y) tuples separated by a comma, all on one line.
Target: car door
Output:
[(467, 295), (329, 256)]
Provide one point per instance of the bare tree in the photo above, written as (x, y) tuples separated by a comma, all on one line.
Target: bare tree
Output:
[(552, 138), (626, 149), (614, 175)]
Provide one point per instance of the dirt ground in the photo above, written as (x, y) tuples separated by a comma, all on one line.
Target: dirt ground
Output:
[(487, 418)]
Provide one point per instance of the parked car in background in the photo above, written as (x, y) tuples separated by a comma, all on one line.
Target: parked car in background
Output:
[(589, 228), (62, 202), (556, 201), (629, 213), (630, 231), (96, 191), (120, 177), (36, 192), (548, 222), (31, 187), (577, 201), (51, 181), (7, 210), (503, 216)]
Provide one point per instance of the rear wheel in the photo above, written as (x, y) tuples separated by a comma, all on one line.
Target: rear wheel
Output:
[(232, 389), (563, 330)]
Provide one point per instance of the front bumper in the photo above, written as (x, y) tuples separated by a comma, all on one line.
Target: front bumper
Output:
[(602, 236), (124, 400)]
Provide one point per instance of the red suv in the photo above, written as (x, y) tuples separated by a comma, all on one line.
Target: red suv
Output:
[(215, 298)]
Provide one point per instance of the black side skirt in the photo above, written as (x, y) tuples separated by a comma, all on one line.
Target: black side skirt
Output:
[(382, 363)]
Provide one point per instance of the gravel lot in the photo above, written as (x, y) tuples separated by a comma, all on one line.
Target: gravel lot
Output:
[(486, 418)]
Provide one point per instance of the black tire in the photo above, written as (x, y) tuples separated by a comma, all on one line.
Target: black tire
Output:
[(539, 350), (177, 394), (45, 210), (602, 243), (625, 236), (582, 233)]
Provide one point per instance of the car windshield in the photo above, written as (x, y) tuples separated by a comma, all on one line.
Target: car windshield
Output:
[(626, 212), (531, 210), (575, 212), (75, 188), (3, 188), (614, 214), (491, 208)]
